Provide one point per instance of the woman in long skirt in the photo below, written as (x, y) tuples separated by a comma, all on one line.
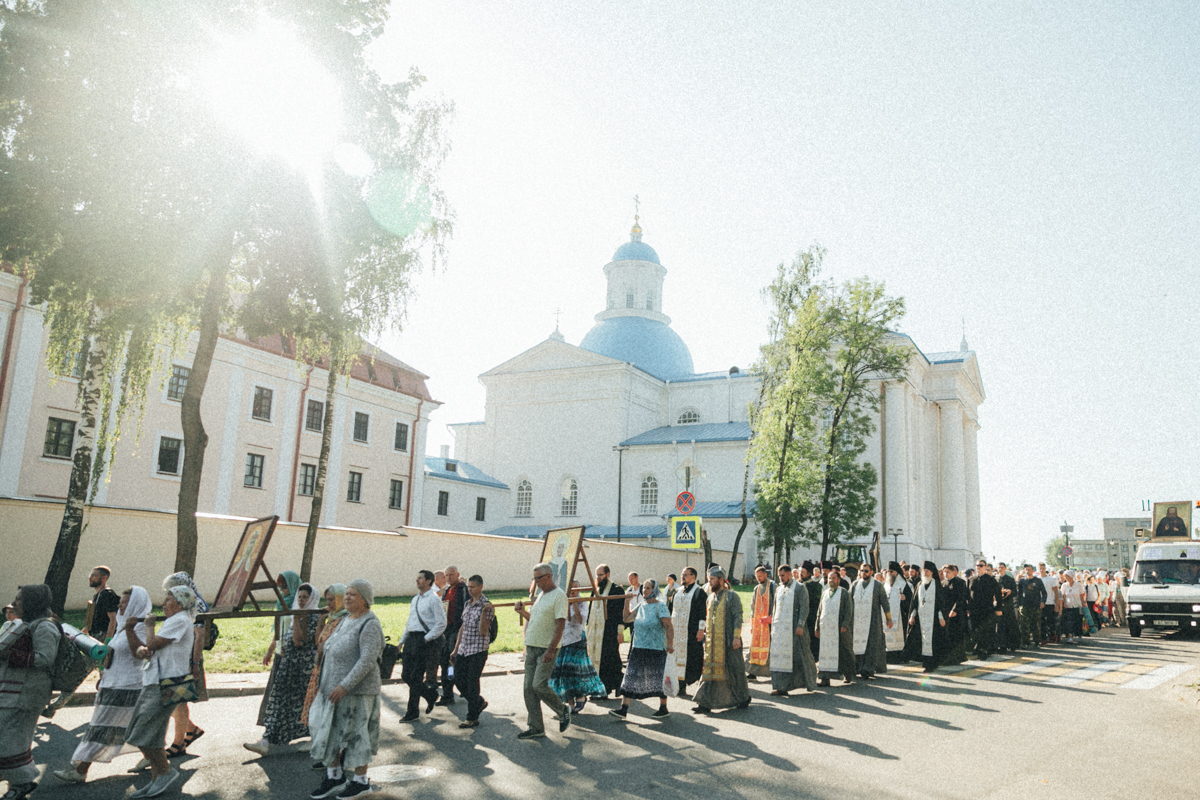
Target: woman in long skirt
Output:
[(574, 676), (344, 718), (647, 665), (283, 704), (117, 694), (335, 609), (27, 654)]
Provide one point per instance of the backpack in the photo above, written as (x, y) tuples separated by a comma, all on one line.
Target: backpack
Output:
[(493, 629), (70, 665)]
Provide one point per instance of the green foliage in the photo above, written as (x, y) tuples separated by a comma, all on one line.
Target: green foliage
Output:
[(828, 349), (1054, 556)]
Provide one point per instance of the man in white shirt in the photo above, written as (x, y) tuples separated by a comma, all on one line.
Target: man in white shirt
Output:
[(423, 646), (1050, 610), (1073, 597)]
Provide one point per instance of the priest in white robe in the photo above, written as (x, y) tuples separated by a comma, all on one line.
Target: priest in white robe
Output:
[(835, 629), (927, 623), (900, 596), (871, 610), (791, 661)]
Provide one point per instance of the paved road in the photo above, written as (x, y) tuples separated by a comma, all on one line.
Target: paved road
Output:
[(1115, 715)]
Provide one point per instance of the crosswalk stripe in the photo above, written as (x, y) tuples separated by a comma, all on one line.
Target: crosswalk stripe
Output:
[(1021, 669), (975, 665), (1158, 676), (1087, 673)]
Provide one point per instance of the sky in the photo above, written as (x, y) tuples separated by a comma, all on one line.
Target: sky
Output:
[(1026, 174)]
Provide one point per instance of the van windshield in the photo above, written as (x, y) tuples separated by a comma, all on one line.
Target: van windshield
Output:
[(1166, 572)]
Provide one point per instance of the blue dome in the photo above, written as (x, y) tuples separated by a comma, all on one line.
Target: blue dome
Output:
[(636, 251), (648, 344)]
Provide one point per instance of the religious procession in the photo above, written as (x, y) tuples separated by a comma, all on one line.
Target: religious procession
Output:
[(808, 624)]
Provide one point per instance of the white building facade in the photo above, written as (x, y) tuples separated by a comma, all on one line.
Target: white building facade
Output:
[(607, 433)]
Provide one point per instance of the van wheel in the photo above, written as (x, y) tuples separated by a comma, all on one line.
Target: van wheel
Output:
[(1135, 630)]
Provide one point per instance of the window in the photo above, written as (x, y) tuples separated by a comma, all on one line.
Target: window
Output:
[(524, 499), (361, 423), (570, 497), (689, 417), (308, 480), (629, 300), (649, 504), (262, 403), (396, 495), (60, 436), (168, 455), (401, 442), (177, 383), (650, 301), (254, 471), (314, 416), (451, 466), (480, 509), (443, 504), (354, 488)]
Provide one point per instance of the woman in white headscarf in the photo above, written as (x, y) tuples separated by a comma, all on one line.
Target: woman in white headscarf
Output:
[(283, 705), (118, 690)]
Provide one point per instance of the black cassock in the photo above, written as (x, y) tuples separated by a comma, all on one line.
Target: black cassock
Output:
[(815, 589), (985, 601), (612, 672), (957, 599)]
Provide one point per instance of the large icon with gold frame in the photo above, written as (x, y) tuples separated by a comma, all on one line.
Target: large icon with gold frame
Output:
[(561, 551), (1173, 519)]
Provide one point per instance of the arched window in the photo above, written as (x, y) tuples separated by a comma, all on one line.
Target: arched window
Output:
[(689, 417), (649, 504), (629, 299), (524, 499), (570, 498)]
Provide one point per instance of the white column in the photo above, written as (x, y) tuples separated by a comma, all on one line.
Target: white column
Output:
[(897, 480), (20, 399), (289, 433), (420, 435), (953, 478), (227, 469), (971, 465)]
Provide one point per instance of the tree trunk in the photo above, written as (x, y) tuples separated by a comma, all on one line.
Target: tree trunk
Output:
[(707, 550), (195, 439), (318, 501), (737, 540), (70, 531)]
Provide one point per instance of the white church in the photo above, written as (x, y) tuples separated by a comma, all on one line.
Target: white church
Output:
[(606, 433)]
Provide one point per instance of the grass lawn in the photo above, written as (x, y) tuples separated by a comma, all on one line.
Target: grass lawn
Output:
[(244, 642)]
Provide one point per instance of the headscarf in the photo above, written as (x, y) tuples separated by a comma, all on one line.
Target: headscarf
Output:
[(35, 601), (183, 579), (312, 603), (186, 598), (293, 585), (338, 610), (655, 594), (364, 588), (126, 669)]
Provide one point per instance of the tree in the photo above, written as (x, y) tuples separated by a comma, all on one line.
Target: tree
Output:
[(828, 347), (1054, 556), (109, 137)]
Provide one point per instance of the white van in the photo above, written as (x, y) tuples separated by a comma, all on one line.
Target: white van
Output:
[(1164, 591)]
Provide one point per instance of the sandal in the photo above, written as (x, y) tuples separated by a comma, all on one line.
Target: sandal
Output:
[(176, 750), (191, 736)]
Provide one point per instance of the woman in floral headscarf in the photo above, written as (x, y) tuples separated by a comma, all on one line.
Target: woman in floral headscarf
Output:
[(335, 607), (283, 704), (187, 731)]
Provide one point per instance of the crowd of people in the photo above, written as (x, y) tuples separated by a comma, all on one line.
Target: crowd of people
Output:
[(809, 624)]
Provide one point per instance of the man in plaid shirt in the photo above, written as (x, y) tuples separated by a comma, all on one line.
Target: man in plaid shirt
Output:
[(471, 649)]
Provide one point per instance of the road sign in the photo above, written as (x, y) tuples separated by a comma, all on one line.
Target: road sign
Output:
[(685, 533), (1066, 551), (685, 503)]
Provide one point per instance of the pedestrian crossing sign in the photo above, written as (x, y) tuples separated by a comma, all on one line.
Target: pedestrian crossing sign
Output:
[(685, 533)]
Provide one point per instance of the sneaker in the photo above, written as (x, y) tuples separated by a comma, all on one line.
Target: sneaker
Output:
[(162, 783), (19, 791), (356, 789), (564, 720), (662, 712), (484, 706), (620, 713), (529, 733), (328, 787), (262, 747), (70, 775), (141, 765), (142, 792), (469, 723), (444, 700), (579, 704), (318, 766)]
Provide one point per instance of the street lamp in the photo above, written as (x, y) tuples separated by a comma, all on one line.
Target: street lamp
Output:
[(896, 533)]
